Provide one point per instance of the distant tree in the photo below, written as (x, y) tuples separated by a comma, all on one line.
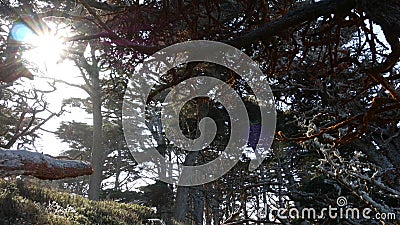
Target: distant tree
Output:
[(119, 165)]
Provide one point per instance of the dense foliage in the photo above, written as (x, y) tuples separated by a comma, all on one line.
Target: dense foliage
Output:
[(333, 69)]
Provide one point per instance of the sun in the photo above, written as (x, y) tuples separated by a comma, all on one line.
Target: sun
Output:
[(45, 52)]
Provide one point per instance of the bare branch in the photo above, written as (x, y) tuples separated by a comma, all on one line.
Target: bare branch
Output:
[(20, 162)]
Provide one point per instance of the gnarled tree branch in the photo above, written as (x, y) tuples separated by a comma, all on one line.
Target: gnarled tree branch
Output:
[(45, 167)]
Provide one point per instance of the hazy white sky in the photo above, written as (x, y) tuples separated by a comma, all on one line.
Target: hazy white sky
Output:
[(66, 71), (45, 56)]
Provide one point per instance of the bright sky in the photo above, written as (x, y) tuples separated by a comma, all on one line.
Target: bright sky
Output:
[(66, 71), (46, 55)]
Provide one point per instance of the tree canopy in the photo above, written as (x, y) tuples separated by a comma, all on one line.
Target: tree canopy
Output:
[(333, 67)]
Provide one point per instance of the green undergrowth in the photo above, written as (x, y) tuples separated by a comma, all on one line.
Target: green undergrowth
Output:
[(25, 203)]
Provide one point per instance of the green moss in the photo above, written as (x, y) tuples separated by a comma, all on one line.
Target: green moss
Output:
[(24, 203)]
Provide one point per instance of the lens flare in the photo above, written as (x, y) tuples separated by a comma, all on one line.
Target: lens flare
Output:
[(47, 47), (21, 32), (45, 51), (42, 47)]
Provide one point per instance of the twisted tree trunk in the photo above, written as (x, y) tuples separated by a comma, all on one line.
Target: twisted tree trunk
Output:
[(45, 167)]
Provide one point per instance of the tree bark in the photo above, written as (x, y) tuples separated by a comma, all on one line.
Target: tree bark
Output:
[(45, 167), (182, 195), (98, 152), (198, 204)]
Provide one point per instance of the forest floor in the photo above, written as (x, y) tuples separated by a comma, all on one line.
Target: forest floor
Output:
[(23, 202)]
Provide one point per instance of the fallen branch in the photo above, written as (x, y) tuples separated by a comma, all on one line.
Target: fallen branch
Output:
[(20, 162)]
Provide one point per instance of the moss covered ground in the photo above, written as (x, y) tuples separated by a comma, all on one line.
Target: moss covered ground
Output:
[(23, 202)]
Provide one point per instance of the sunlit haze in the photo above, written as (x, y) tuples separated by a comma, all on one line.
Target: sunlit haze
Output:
[(46, 51), (45, 57)]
